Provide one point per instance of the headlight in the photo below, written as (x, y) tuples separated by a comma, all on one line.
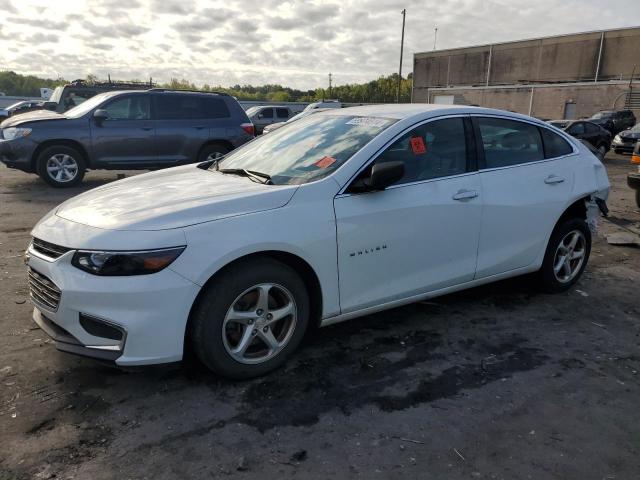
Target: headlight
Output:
[(14, 132), (125, 263), (617, 139)]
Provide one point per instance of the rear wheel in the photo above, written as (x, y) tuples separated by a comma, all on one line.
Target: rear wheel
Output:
[(250, 319), (566, 256), (212, 151), (61, 166), (638, 198)]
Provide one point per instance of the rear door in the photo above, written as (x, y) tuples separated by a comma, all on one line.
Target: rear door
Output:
[(181, 126), (282, 114), (420, 234), (126, 137), (527, 178)]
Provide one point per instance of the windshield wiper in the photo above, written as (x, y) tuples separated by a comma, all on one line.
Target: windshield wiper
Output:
[(251, 174)]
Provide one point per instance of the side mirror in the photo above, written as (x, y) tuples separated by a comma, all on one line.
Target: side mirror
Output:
[(100, 114), (382, 176)]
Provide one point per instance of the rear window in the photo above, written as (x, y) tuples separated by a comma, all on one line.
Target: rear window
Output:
[(554, 144)]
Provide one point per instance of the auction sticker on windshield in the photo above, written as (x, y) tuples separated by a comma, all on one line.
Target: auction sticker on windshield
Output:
[(369, 121), (325, 162)]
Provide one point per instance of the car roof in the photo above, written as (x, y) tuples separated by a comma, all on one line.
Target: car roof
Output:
[(402, 111)]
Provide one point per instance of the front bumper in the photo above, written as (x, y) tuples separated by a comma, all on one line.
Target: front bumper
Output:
[(624, 146), (150, 310), (17, 153)]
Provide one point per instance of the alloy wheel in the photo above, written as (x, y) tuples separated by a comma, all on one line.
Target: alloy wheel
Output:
[(62, 168), (259, 323), (569, 256)]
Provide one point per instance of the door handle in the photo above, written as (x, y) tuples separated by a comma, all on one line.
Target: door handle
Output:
[(465, 195), (551, 179), (146, 129)]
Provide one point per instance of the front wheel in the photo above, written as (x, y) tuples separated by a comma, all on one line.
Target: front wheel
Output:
[(250, 318), (212, 152), (602, 150), (566, 256), (61, 166)]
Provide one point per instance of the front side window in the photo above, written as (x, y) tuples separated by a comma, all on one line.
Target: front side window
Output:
[(307, 150), (179, 107), (282, 113), (129, 108), (433, 150), (509, 142), (591, 128), (267, 113)]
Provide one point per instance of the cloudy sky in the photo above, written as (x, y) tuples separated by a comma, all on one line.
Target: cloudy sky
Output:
[(294, 43)]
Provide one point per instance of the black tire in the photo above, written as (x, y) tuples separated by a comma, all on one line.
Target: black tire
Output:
[(603, 149), (547, 279), (60, 151), (207, 321), (212, 149), (618, 151), (638, 198)]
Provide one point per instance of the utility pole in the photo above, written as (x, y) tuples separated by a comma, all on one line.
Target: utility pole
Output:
[(329, 85), (435, 37), (404, 14)]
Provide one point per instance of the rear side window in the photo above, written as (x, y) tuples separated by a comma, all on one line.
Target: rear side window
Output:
[(509, 142), (591, 128), (179, 107), (216, 108), (576, 129), (282, 113), (554, 144)]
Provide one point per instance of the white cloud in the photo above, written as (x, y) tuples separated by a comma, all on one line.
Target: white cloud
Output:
[(294, 43)]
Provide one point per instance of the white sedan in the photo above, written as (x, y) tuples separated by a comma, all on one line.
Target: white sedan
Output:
[(338, 215)]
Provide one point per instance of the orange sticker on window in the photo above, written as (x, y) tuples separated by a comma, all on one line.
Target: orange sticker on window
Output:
[(418, 146), (325, 162)]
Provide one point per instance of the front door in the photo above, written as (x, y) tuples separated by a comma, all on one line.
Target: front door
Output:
[(420, 234), (526, 183), (126, 137)]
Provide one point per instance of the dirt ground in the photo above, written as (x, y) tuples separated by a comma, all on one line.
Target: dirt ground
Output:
[(498, 382)]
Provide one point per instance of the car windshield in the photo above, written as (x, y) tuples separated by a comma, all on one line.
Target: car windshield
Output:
[(86, 106), (308, 150), (603, 115)]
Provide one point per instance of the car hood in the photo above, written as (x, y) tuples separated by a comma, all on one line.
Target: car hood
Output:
[(29, 117), (172, 198)]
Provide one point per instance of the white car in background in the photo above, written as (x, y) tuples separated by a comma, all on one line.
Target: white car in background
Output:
[(295, 118), (341, 214)]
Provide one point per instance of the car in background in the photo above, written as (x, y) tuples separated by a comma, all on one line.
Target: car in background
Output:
[(614, 120), (323, 104), (625, 141), (124, 130), (66, 97), (633, 179), (596, 135), (276, 126), (339, 215), (21, 107), (263, 115)]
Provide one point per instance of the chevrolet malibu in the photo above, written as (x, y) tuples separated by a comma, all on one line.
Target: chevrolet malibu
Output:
[(339, 215)]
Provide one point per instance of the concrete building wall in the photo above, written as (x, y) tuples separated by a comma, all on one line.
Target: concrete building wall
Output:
[(543, 101), (558, 68)]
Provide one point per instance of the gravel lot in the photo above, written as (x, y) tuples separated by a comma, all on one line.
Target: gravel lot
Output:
[(496, 382)]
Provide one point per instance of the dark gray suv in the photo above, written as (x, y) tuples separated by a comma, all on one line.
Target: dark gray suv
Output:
[(124, 130)]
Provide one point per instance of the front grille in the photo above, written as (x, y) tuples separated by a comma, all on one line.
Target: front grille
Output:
[(43, 291), (48, 249)]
